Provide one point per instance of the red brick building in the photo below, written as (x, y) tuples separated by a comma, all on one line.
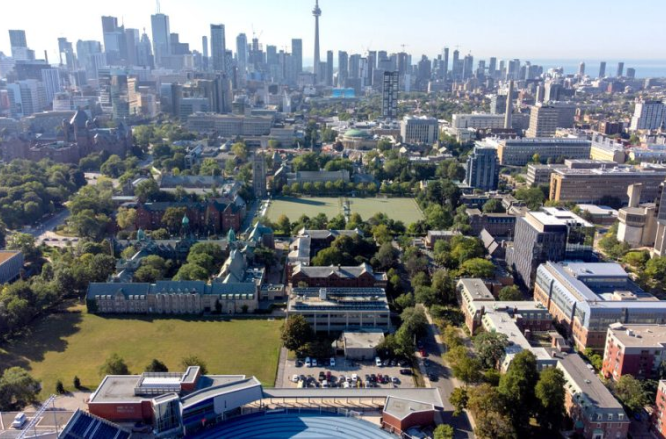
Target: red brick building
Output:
[(659, 415), (399, 415), (211, 216), (635, 350), (337, 277)]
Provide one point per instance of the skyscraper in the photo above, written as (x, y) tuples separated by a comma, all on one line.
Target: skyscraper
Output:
[(581, 69), (19, 46), (144, 56), (631, 73), (343, 68), (620, 69), (241, 53), (297, 55), (602, 69), (445, 67), (543, 121), (114, 40), (329, 68), (161, 31), (316, 12), (483, 168), (218, 47), (509, 107), (132, 40), (204, 44), (66, 52), (391, 86)]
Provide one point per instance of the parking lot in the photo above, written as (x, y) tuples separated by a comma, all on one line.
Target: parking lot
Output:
[(49, 422), (346, 368)]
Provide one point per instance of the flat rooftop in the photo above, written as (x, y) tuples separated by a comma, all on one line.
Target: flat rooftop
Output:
[(363, 339), (477, 289), (6, 255), (640, 336), (423, 395), (401, 408)]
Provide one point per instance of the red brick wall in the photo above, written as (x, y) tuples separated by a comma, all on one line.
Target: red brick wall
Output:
[(125, 411), (415, 419)]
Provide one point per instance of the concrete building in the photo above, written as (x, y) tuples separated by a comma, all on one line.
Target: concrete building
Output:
[(519, 152), (552, 234), (659, 416), (477, 121), (11, 264), (340, 309), (483, 168), (608, 151), (361, 345), (231, 126), (585, 298), (496, 224), (540, 174), (390, 89), (419, 130), (543, 121), (595, 411), (648, 115), (172, 297), (638, 222), (590, 185), (439, 235), (636, 350)]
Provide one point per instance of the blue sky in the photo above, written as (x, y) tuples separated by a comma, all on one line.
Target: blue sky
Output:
[(525, 29)]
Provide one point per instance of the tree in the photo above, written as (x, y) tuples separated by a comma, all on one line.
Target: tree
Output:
[(477, 268), (326, 257), (425, 295), (193, 360), (414, 321), (655, 269), (493, 205), (510, 294), (386, 256), (239, 149), (114, 365), (147, 190), (405, 301), (76, 382), (467, 370), (59, 388), (25, 243), (173, 218), (490, 347), (156, 366), (536, 158), (444, 431), (533, 197), (17, 388), (210, 167), (283, 224), (444, 285), (631, 394), (451, 337), (485, 404), (458, 399), (191, 272), (296, 332), (549, 392), (636, 259), (517, 389)]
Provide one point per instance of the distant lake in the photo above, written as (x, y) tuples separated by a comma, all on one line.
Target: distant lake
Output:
[(644, 68)]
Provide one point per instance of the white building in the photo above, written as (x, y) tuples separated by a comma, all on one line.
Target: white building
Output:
[(419, 129), (648, 115)]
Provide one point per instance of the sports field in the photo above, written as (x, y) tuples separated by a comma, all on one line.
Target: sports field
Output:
[(400, 209), (77, 343)]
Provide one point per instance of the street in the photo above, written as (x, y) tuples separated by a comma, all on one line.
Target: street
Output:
[(44, 232), (434, 364)]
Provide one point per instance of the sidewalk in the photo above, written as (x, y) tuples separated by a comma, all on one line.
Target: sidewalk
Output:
[(279, 379)]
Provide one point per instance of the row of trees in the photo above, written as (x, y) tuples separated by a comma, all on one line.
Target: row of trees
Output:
[(329, 188)]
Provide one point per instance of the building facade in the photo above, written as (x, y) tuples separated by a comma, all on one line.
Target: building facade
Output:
[(520, 152), (636, 350), (483, 168), (419, 130)]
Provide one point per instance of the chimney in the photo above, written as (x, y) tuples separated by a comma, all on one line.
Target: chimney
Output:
[(509, 107), (634, 192)]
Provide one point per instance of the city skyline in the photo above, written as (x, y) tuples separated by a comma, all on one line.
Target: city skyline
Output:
[(591, 40)]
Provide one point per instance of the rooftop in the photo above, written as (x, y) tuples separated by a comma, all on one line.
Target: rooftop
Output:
[(363, 339), (6, 255), (401, 408), (639, 336)]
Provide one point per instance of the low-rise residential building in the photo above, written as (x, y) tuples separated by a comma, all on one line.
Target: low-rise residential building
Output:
[(340, 309), (11, 264), (172, 297), (585, 298), (659, 416), (636, 350), (212, 216), (439, 235), (595, 411), (497, 224)]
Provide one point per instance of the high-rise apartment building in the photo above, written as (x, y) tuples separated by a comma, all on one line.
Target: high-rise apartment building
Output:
[(543, 121), (483, 168), (390, 89), (329, 68), (343, 68), (297, 55), (620, 69), (602, 69), (648, 115), (19, 46)]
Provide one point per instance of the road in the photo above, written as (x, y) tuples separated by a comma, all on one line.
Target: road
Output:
[(446, 382)]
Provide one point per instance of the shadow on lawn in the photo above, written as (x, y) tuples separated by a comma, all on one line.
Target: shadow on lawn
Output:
[(47, 334), (306, 201)]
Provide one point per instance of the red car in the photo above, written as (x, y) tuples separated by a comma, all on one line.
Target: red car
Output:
[(423, 353)]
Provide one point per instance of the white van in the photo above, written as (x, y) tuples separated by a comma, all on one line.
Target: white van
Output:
[(19, 420)]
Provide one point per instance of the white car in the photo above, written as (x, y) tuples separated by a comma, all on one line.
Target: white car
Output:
[(378, 362), (19, 420), (308, 362), (346, 385), (294, 378), (332, 362), (354, 377), (325, 385), (314, 362)]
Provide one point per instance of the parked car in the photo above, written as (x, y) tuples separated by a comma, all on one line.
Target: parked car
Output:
[(332, 362), (314, 362), (308, 362), (405, 371), (378, 362), (386, 363), (354, 377), (423, 353), (19, 420), (368, 384), (294, 378), (433, 377), (325, 385), (395, 380), (392, 363), (379, 377), (328, 375), (373, 378), (299, 363), (346, 385), (322, 376), (140, 427)]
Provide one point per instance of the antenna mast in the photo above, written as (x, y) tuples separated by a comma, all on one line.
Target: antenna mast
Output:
[(158, 6)]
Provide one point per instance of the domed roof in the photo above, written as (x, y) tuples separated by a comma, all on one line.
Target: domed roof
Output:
[(186, 220), (357, 133)]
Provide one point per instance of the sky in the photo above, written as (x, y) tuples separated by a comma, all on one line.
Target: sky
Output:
[(525, 29)]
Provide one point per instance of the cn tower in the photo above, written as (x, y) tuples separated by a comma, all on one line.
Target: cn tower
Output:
[(316, 12)]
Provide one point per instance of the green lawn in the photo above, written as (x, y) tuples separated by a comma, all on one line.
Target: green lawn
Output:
[(402, 209), (77, 343)]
